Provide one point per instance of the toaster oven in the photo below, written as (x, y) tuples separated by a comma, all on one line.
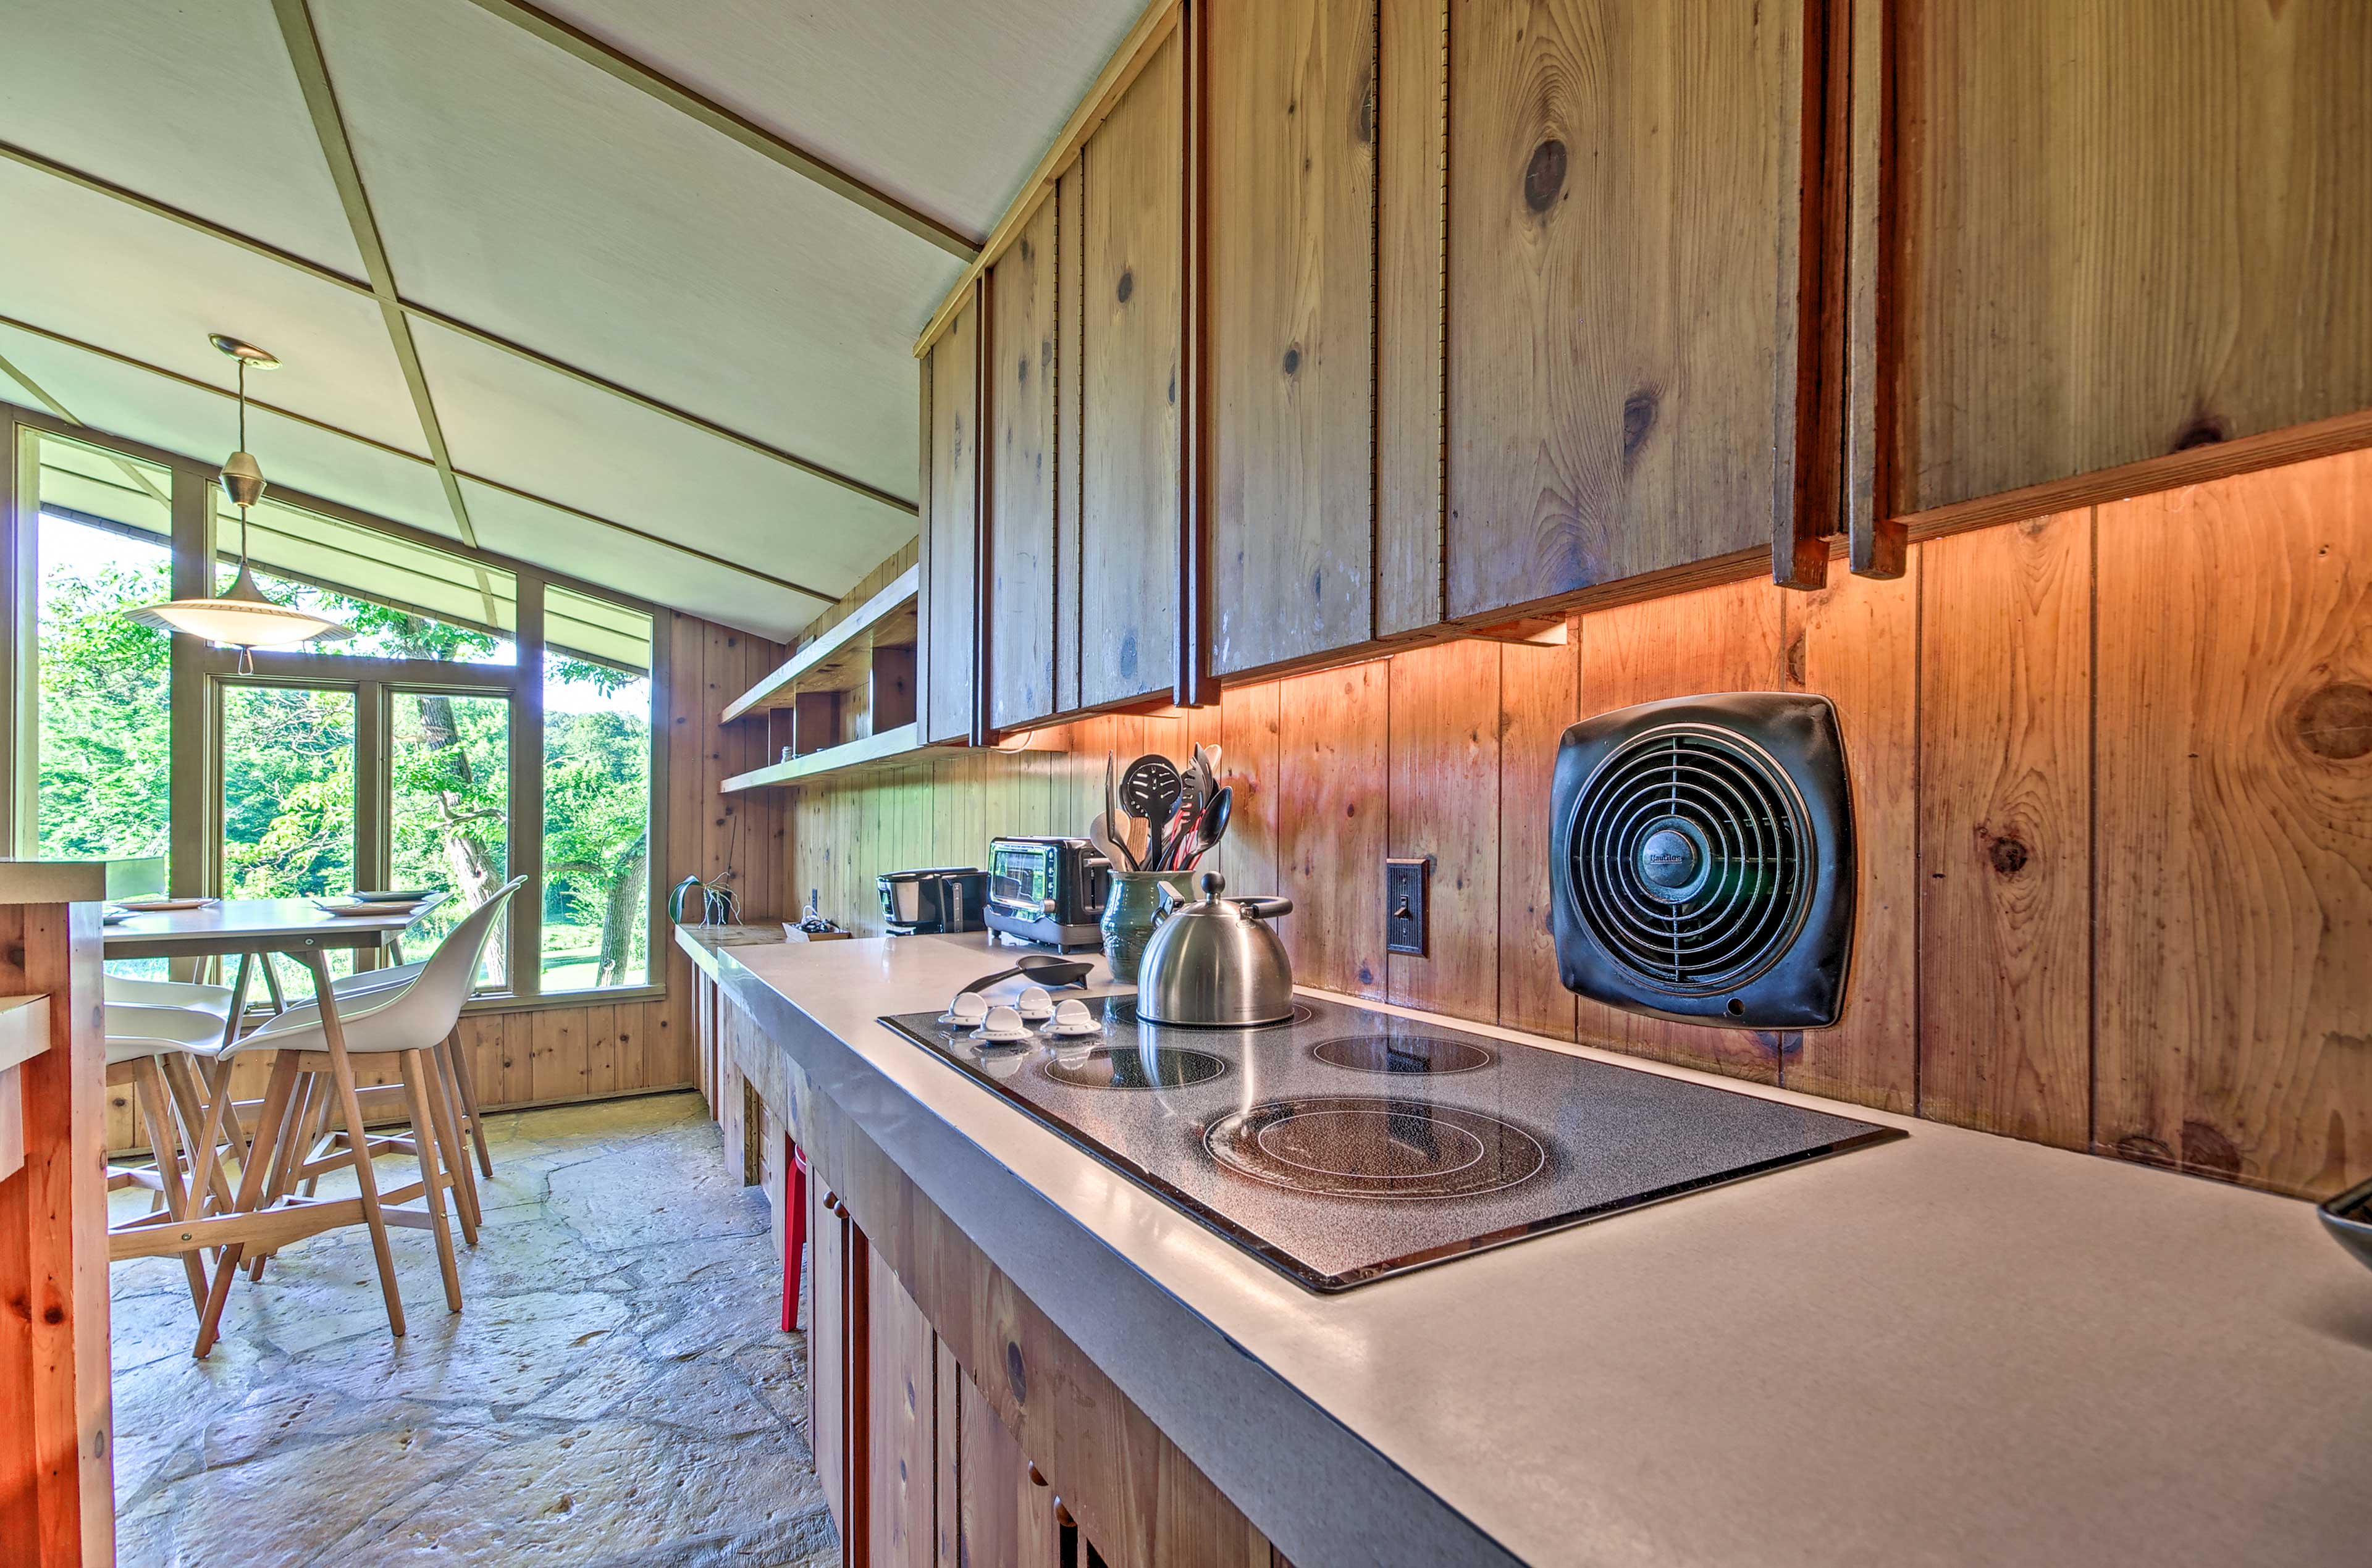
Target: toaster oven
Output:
[(1048, 891)]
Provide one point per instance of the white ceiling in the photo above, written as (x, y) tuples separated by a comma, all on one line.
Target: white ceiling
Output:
[(533, 196)]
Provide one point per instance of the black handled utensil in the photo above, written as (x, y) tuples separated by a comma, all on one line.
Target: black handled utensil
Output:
[(1149, 790), (1043, 969)]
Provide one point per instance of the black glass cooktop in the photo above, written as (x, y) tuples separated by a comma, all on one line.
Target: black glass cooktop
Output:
[(1350, 1145)]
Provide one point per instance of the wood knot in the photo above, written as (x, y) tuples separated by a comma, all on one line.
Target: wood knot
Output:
[(2145, 1148), (54, 1315), (1638, 419), (2205, 431), (1127, 286), (1545, 175), (2335, 722), (2008, 854), (1025, 370), (2209, 1150), (1015, 1374), (1293, 360)]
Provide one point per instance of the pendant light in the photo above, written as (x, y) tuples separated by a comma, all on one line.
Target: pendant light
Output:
[(241, 617)]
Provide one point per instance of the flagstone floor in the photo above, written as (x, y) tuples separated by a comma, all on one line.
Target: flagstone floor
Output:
[(615, 1393)]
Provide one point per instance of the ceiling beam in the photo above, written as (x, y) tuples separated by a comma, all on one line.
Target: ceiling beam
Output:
[(684, 100), (336, 279), (393, 451), (304, 47)]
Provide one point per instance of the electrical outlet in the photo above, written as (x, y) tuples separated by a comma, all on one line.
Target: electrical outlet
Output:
[(1404, 891)]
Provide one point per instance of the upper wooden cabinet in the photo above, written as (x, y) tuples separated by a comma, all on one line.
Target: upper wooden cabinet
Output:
[(1023, 373), (1627, 339), (1290, 210), (2093, 236), (950, 591), (1133, 264)]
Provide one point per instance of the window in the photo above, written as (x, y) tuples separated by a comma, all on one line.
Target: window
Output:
[(105, 733), (403, 755), (597, 794)]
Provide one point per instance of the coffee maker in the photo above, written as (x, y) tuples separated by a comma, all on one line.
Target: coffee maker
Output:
[(941, 898)]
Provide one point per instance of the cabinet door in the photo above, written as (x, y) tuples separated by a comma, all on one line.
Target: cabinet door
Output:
[(901, 1430), (1023, 374), (2118, 234), (828, 1350), (1132, 329), (1005, 1510), (951, 581), (1290, 296), (1626, 202)]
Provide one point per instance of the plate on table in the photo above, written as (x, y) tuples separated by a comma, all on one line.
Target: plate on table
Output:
[(110, 915), (403, 896), (160, 906), (358, 908)]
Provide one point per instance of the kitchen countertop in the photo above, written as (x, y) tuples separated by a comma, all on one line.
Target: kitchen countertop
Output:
[(1950, 1348)]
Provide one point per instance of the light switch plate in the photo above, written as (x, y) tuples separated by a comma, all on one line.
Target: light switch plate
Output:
[(1405, 881)]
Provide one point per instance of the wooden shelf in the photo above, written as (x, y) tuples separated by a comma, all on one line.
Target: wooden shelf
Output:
[(887, 745), (842, 660)]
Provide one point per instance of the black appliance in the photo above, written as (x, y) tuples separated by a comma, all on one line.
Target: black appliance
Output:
[(1048, 891), (943, 898), (1346, 1145), (1704, 860)]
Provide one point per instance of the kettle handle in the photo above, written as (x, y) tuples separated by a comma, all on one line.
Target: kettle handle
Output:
[(1263, 908)]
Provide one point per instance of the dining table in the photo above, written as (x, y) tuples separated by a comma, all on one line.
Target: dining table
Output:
[(252, 929)]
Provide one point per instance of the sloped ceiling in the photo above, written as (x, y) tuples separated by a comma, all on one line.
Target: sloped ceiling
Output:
[(654, 355)]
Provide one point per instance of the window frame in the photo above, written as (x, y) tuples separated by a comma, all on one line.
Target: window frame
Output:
[(199, 672)]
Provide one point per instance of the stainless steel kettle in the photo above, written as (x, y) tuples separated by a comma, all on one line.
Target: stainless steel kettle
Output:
[(1214, 963)]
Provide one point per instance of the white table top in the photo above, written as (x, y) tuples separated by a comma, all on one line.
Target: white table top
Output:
[(258, 925)]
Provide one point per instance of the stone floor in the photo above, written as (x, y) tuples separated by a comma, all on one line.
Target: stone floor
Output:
[(615, 1392)]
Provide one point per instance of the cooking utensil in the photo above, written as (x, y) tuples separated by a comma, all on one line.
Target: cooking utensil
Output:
[(1212, 826), (1110, 844), (2348, 1217), (1112, 801), (1149, 790), (1215, 963), (1043, 969)]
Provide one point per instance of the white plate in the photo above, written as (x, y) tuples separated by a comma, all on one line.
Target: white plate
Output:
[(160, 906)]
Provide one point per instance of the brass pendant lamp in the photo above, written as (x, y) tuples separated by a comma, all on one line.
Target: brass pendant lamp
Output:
[(241, 617)]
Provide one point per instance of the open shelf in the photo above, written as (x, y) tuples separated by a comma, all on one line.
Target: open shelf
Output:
[(887, 745), (842, 660)]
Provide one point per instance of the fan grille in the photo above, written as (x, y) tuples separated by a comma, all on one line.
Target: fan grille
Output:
[(1688, 850)]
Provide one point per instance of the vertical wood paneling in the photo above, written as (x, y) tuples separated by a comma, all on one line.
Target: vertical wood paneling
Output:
[(1856, 642), (1412, 210), (2235, 747), (1445, 770), (1718, 639), (1070, 428), (1021, 383), (951, 580), (2005, 821), (1331, 821), (905, 1452), (1135, 261), (1291, 306), (1621, 385), (1539, 697)]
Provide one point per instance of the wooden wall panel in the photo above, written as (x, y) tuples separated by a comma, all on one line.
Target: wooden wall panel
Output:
[(1333, 806), (2232, 722), (1412, 213), (1291, 311), (1133, 265), (1070, 426), (1856, 642), (1022, 389), (1540, 696), (950, 526), (2143, 237), (2004, 819), (2235, 767), (1622, 381), (1720, 639), (1444, 770)]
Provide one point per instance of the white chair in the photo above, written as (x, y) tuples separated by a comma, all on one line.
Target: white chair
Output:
[(313, 1065), (154, 1053), (214, 1000)]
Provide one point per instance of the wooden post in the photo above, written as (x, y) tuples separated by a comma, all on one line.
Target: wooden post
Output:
[(57, 1480)]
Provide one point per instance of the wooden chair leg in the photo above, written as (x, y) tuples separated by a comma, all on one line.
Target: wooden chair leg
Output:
[(350, 1105), (465, 1079), (293, 1144), (451, 1150), (251, 1188), (149, 1096), (190, 1098), (432, 1178)]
